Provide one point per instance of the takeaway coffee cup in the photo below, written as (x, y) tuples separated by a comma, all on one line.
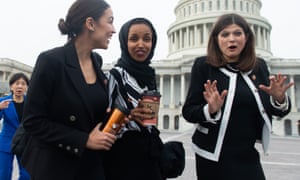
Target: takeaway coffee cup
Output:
[(151, 100), (116, 119)]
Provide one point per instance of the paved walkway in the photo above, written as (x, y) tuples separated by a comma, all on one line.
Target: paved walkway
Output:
[(282, 163)]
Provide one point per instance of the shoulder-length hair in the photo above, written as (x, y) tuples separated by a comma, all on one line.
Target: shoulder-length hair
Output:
[(247, 57)]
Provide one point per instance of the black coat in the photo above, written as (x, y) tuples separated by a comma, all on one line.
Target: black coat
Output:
[(208, 137), (59, 118)]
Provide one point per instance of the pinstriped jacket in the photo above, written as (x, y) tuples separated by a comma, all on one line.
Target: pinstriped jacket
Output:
[(133, 91)]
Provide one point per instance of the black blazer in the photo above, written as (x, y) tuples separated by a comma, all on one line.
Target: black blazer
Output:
[(58, 117), (207, 137)]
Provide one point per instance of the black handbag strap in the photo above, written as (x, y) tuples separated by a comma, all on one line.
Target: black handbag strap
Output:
[(121, 86)]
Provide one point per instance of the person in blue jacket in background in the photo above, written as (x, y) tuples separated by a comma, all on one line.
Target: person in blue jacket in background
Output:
[(11, 108)]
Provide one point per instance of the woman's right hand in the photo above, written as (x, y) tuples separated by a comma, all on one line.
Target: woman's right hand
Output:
[(99, 140), (4, 104), (214, 99)]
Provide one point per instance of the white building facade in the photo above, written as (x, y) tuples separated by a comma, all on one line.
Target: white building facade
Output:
[(188, 37), (8, 67)]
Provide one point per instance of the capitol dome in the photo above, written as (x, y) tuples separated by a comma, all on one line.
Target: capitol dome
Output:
[(188, 35)]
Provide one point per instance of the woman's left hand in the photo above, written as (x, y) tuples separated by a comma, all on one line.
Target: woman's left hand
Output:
[(139, 113), (277, 87)]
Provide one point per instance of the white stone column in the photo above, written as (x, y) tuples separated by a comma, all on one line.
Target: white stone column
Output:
[(170, 42), (205, 34), (259, 40), (269, 41), (293, 95), (201, 39), (196, 37), (175, 41), (264, 39), (172, 105), (213, 5), (187, 42), (161, 89), (180, 39), (230, 5), (182, 90)]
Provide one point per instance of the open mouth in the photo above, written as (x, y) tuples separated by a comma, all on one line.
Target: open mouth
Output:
[(19, 91), (232, 47)]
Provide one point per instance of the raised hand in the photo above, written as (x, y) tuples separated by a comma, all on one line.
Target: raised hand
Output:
[(277, 87), (214, 99), (4, 104)]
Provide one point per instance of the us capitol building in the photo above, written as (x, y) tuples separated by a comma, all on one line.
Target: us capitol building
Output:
[(188, 37)]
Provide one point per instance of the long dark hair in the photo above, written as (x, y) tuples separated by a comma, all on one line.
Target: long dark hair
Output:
[(247, 58)]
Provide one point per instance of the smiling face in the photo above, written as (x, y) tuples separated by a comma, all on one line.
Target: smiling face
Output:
[(231, 41), (139, 41), (103, 29)]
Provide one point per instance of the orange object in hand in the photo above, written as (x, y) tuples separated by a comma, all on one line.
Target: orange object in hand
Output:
[(116, 119)]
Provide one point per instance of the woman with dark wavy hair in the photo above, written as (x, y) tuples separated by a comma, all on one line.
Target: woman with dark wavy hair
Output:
[(231, 100)]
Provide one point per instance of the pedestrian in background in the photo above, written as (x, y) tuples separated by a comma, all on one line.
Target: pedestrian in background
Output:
[(231, 100), (11, 109)]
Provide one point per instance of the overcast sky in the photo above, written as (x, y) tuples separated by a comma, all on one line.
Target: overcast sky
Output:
[(30, 26)]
